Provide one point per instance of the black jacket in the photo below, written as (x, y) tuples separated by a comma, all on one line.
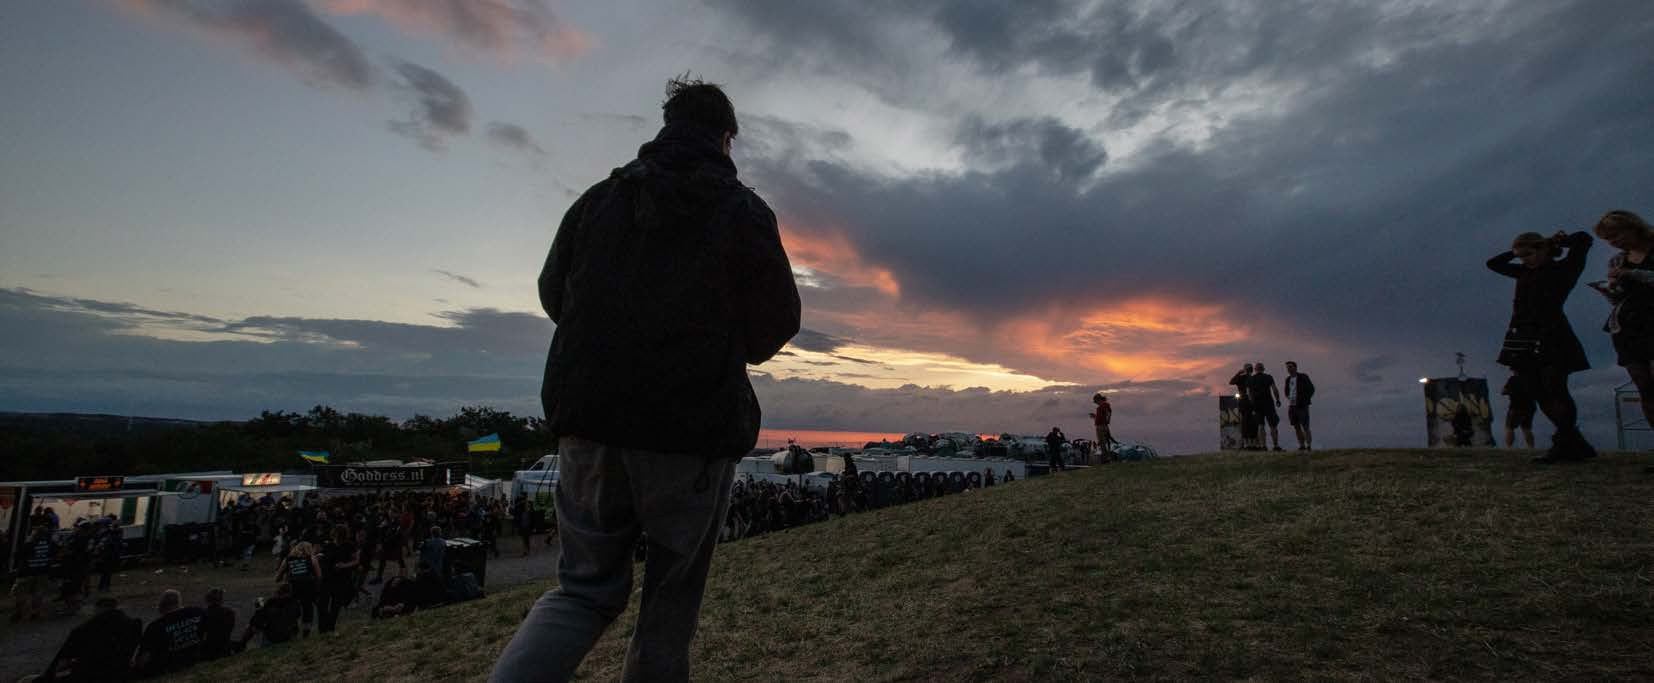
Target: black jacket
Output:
[(100, 649), (665, 281), (1537, 308), (1303, 388)]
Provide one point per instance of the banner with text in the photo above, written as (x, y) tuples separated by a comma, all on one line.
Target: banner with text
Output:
[(363, 477)]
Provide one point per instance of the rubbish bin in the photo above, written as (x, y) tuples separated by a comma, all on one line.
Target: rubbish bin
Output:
[(466, 555)]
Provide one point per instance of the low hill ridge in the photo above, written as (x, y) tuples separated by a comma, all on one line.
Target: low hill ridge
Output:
[(1344, 564)]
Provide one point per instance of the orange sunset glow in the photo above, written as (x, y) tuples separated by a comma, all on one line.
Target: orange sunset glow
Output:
[(831, 252), (1143, 338)]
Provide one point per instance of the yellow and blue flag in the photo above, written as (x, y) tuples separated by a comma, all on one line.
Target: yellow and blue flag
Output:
[(318, 457), (484, 444)]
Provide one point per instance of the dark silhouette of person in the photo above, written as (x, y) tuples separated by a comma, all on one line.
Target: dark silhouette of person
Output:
[(99, 649), (665, 281), (1054, 441), (1299, 392), (1539, 344)]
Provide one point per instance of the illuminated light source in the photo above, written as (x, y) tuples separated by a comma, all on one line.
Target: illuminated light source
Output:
[(1424, 380)]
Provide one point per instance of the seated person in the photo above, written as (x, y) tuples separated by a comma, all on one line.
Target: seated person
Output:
[(173, 641), (98, 650), (218, 626), (396, 598), (276, 618), (429, 590)]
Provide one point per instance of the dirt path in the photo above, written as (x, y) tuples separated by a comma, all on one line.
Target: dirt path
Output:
[(26, 648)]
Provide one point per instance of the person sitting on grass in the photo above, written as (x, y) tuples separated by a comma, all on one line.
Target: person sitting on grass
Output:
[(98, 650), (276, 618), (218, 626), (173, 641), (395, 599)]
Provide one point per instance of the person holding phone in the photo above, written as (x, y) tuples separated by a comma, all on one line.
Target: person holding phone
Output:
[(1630, 288)]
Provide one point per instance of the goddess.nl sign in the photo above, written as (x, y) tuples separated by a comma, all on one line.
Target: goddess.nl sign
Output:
[(361, 477)]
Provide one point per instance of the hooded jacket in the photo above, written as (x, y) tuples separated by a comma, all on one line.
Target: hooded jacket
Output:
[(665, 281)]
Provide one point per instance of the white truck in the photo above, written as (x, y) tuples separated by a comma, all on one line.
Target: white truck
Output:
[(537, 482)]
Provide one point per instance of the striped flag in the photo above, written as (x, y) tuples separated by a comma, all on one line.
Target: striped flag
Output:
[(483, 445), (318, 457)]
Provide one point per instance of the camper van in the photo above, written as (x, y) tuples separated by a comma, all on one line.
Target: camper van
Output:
[(537, 482)]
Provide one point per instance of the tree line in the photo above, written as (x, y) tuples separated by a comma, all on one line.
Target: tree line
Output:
[(63, 449)]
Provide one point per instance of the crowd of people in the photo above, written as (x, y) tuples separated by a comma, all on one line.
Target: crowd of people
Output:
[(65, 560), (758, 507), (323, 554)]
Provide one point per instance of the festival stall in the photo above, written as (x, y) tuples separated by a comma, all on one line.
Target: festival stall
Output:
[(134, 502)]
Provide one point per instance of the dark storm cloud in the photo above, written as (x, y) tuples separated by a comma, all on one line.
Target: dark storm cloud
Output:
[(514, 136), (477, 330), (442, 109), (811, 340), (284, 31), (80, 355), (1405, 151), (1066, 153), (115, 312), (456, 277)]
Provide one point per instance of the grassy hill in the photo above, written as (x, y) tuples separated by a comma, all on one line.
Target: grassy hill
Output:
[(1347, 565)]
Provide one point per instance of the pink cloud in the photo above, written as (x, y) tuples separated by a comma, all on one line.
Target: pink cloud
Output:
[(509, 29)]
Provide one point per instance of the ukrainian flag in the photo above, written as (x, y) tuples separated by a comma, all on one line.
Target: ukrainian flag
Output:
[(318, 457), (483, 445)]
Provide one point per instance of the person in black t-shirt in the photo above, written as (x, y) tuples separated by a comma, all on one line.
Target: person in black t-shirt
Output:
[(339, 560), (98, 650), (1265, 397), (276, 618), (34, 569), (303, 572), (173, 641), (217, 627)]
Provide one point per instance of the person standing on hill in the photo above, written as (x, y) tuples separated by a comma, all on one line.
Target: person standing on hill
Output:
[(1519, 412), (1265, 399), (1630, 288), (1101, 417), (1054, 442), (1539, 344), (1299, 391), (1243, 402), (665, 281)]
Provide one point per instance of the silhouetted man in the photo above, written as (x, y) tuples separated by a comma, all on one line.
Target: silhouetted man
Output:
[(1243, 403), (1265, 399), (1054, 441), (98, 650), (1299, 391), (173, 641), (665, 281)]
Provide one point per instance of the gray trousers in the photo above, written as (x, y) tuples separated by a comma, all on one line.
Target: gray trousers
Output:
[(606, 497)]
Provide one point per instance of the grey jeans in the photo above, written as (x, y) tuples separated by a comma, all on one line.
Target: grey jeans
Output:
[(606, 497)]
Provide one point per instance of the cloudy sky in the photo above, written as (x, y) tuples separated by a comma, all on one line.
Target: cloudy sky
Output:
[(993, 209)]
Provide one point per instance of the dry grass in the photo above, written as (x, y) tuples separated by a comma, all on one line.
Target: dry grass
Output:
[(1372, 565)]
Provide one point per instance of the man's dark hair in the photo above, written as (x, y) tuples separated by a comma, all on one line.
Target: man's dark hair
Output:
[(694, 101)]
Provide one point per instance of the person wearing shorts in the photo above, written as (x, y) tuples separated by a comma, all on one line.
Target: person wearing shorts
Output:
[(1520, 413), (1265, 398), (1299, 392)]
